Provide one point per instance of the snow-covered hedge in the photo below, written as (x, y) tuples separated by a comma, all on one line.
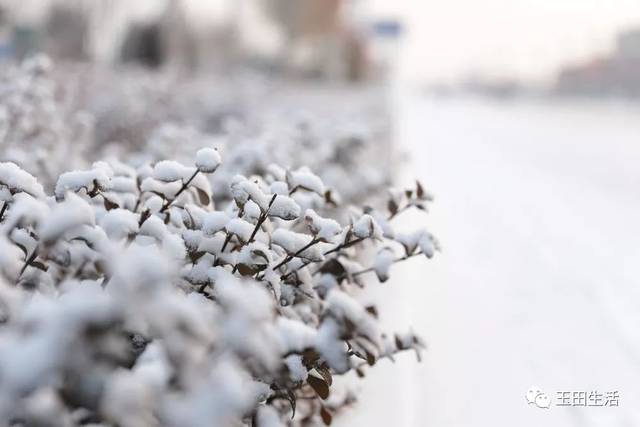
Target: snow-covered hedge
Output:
[(165, 286), (128, 298), (38, 129), (55, 118)]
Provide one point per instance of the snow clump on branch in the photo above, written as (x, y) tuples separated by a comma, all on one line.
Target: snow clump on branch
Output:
[(128, 299)]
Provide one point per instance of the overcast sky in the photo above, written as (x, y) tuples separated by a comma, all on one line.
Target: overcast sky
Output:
[(523, 38)]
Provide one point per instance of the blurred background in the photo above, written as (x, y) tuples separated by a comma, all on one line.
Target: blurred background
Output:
[(330, 39), (521, 116)]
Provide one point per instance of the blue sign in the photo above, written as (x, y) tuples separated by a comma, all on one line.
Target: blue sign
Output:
[(388, 28)]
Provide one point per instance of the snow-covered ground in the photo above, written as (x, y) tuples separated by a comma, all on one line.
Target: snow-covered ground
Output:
[(538, 210)]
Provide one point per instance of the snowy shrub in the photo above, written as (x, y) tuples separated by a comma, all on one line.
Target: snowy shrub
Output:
[(131, 296), (174, 288), (253, 121), (37, 129), (56, 118)]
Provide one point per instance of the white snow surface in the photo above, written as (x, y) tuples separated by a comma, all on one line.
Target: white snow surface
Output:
[(382, 264), (366, 226), (169, 171), (285, 208), (207, 160), (305, 179), (214, 222), (323, 228), (16, 179), (66, 216), (100, 174)]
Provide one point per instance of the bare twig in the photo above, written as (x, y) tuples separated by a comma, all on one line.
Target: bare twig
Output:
[(262, 219), (185, 185), (28, 262), (345, 245), (4, 208), (298, 253), (339, 247), (370, 269)]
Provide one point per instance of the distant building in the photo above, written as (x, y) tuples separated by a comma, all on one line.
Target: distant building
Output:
[(629, 44), (65, 31), (326, 39), (320, 38), (614, 75)]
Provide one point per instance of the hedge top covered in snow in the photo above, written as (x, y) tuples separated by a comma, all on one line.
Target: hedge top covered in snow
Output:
[(62, 118), (128, 299)]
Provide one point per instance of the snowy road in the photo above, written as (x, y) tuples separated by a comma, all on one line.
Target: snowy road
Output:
[(538, 209)]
